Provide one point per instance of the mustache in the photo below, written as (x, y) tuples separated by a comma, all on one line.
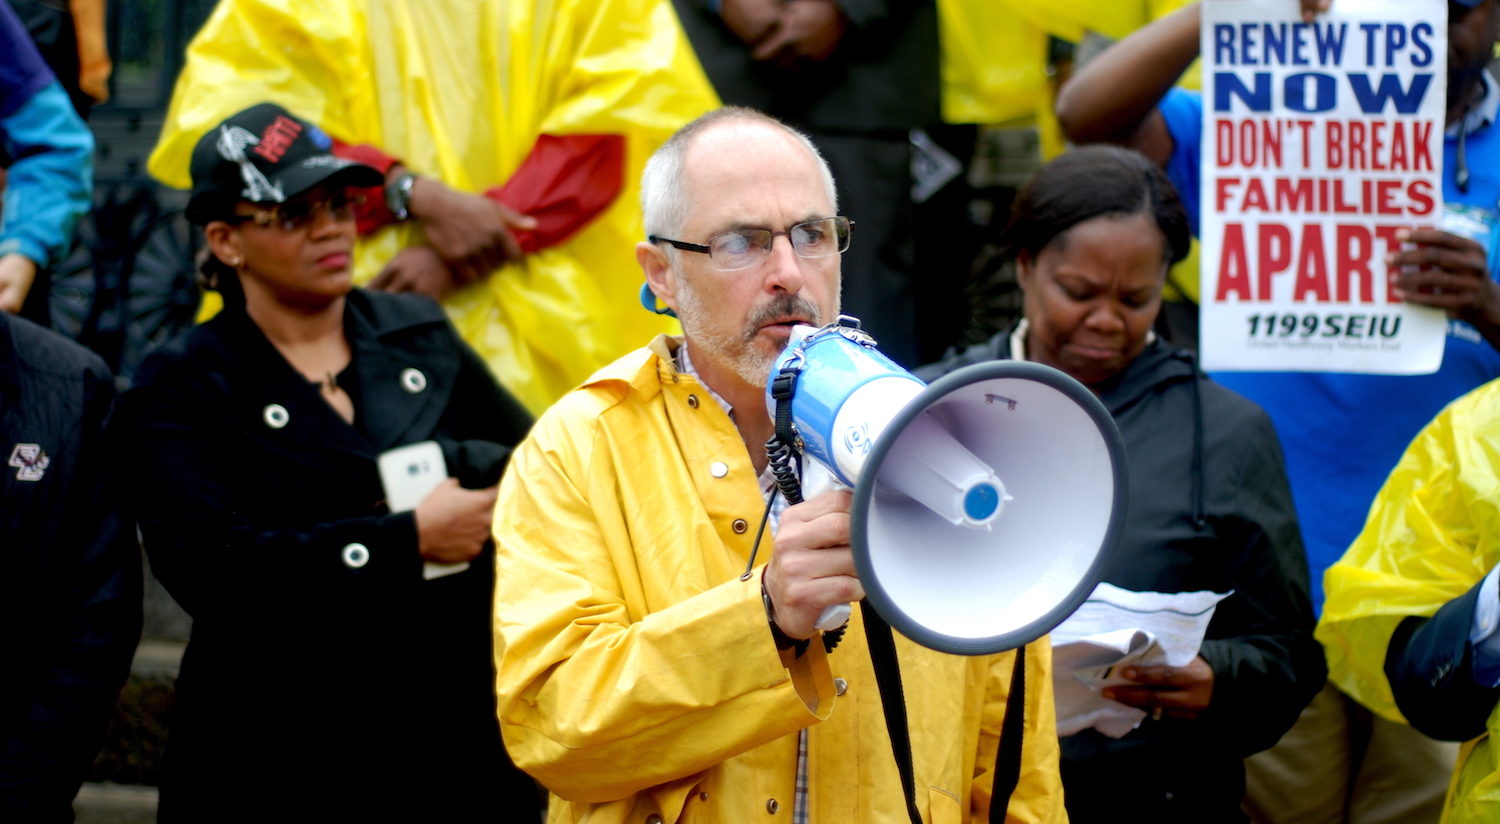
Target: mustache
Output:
[(783, 306)]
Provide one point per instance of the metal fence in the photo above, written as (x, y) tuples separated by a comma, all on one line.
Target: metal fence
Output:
[(128, 284)]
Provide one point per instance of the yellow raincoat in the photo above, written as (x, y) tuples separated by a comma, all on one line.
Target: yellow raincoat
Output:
[(461, 89), (637, 674), (994, 55), (994, 65), (1432, 534)]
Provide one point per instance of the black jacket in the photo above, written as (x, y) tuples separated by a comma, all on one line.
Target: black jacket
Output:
[(1209, 509), (70, 600), (315, 680)]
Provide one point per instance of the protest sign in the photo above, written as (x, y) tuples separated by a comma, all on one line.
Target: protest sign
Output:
[(1321, 141)]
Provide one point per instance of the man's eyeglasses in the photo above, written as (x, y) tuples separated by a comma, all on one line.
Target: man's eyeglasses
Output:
[(744, 248), (297, 215)]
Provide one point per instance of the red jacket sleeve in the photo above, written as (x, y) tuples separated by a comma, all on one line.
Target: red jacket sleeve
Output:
[(564, 183), (373, 213)]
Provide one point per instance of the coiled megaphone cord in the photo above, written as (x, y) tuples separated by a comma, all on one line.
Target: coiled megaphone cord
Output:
[(781, 454)]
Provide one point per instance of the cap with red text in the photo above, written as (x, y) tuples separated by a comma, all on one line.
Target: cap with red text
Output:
[(265, 154)]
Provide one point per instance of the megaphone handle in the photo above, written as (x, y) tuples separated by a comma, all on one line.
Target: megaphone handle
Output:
[(833, 617)]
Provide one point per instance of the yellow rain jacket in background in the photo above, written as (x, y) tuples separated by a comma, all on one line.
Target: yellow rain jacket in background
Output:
[(994, 65), (994, 55), (1071, 19), (461, 89), (637, 673), (1432, 534)]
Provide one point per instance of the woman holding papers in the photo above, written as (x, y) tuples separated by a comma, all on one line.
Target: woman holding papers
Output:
[(326, 678), (1209, 509)]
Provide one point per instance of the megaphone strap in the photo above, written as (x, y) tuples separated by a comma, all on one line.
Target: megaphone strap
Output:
[(783, 443), (1008, 756), (1012, 734), (882, 643)]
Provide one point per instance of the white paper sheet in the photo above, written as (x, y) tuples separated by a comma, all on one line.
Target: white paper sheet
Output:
[(1114, 628)]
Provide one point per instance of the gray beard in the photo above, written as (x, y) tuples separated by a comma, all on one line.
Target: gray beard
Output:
[(740, 353)]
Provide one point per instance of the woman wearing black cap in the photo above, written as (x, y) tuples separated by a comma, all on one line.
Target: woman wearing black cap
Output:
[(332, 672)]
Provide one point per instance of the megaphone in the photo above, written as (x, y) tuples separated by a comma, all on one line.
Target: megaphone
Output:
[(984, 504)]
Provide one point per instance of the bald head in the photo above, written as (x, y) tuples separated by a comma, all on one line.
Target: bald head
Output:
[(730, 172), (721, 134)]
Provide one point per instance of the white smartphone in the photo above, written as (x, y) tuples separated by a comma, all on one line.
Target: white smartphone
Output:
[(408, 473)]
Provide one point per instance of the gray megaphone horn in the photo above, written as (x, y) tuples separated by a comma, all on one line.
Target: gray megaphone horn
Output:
[(984, 503)]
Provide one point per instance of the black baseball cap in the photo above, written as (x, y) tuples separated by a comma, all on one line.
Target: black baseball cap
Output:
[(265, 154)]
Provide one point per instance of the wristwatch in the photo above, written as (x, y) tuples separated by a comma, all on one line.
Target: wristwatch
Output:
[(398, 195)]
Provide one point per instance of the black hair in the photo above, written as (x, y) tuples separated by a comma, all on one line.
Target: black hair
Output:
[(220, 277), (1095, 181), (207, 208)]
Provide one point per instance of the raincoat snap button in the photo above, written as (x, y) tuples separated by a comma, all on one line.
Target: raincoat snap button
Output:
[(412, 380), (693, 401), (653, 819), (718, 469), (840, 686), (739, 526), (276, 416), (355, 555), (772, 806)]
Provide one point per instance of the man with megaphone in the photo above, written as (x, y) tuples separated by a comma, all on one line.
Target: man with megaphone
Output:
[(650, 669)]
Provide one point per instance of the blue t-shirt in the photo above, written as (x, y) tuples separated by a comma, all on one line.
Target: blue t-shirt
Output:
[(1343, 433)]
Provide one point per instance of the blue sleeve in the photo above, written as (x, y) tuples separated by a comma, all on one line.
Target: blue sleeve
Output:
[(50, 182), (23, 72), (1183, 112)]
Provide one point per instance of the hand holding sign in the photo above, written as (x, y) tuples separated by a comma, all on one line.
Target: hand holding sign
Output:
[(1449, 272), (1312, 8)]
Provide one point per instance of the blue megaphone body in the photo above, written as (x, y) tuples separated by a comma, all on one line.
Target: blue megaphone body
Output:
[(847, 394), (948, 553)]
